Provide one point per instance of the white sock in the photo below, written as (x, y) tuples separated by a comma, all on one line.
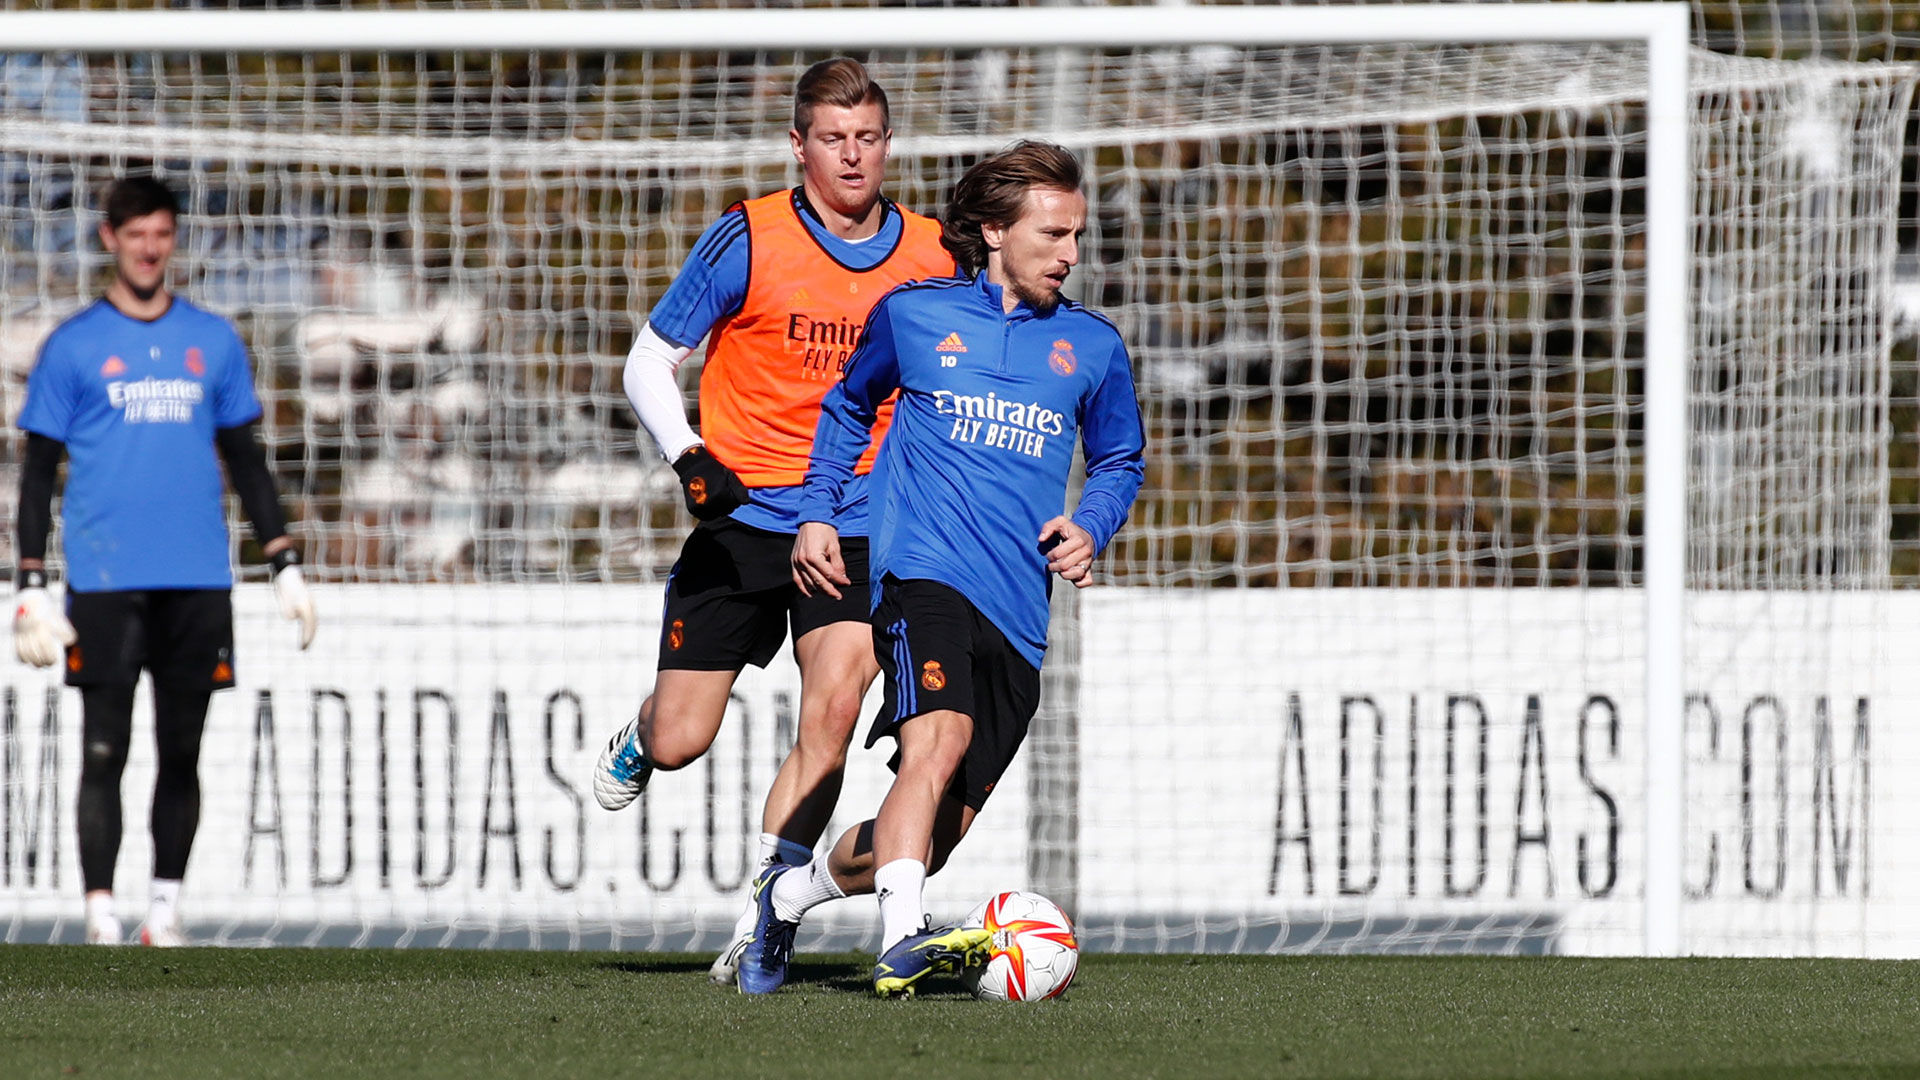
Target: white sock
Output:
[(99, 906), (162, 901), (900, 885), (774, 849), (801, 890)]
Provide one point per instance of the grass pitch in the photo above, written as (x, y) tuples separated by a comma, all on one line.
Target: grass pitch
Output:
[(92, 1012)]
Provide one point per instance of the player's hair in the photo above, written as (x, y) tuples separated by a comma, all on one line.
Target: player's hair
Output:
[(137, 196), (994, 191), (842, 81)]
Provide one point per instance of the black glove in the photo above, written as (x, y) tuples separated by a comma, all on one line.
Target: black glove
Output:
[(710, 488)]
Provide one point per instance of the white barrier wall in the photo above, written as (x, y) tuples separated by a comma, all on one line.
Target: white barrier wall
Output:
[(1363, 760), (1305, 768), (428, 765)]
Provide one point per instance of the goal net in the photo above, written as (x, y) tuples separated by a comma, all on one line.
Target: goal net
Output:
[(1366, 671)]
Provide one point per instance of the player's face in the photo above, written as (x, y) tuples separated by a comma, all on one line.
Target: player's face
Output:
[(141, 248), (843, 157), (1038, 251)]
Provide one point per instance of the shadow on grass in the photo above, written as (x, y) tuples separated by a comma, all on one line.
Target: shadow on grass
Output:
[(851, 974), (654, 967)]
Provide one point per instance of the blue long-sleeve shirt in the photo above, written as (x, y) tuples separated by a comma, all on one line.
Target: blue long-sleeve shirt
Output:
[(982, 442)]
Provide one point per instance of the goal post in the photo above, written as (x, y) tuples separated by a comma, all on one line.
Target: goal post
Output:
[(1410, 291)]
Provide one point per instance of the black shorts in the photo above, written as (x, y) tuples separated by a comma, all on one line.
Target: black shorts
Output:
[(937, 651), (184, 637), (731, 598)]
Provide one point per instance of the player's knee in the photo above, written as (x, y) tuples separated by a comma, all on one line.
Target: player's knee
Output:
[(822, 747), (934, 759), (103, 756), (179, 764), (675, 746)]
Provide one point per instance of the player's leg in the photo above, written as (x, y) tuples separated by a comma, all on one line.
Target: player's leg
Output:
[(784, 894), (179, 720), (675, 725), (106, 723), (190, 652), (833, 645), (926, 708), (712, 627), (903, 846), (850, 863), (103, 663), (931, 746), (836, 667), (1005, 691)]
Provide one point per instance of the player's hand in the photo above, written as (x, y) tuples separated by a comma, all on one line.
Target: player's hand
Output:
[(816, 560), (290, 588), (1069, 550), (709, 487), (41, 631)]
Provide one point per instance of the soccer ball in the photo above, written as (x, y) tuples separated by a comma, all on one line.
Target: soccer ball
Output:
[(1034, 954)]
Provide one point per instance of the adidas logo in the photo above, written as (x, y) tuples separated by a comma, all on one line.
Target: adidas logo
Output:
[(113, 366), (800, 297), (951, 343)]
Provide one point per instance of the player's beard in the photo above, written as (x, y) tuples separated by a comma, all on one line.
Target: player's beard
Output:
[(1040, 300)]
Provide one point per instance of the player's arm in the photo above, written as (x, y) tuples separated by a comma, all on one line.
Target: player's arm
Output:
[(843, 433), (40, 630), (711, 285), (260, 500), (1115, 445)]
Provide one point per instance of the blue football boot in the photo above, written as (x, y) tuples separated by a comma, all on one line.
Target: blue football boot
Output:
[(931, 951), (763, 963)]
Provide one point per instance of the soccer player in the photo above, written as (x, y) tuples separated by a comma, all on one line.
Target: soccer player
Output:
[(783, 283), (138, 391), (997, 376)]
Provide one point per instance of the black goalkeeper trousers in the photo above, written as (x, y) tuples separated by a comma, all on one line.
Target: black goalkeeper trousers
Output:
[(180, 717)]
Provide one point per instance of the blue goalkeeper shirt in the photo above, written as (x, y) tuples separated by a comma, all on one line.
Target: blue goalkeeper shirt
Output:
[(712, 284), (982, 442), (137, 404)]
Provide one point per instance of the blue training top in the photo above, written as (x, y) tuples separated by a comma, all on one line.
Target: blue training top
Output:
[(982, 442), (137, 404), (712, 285)]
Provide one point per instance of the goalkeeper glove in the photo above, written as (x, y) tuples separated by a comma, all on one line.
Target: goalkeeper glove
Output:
[(711, 489), (40, 630), (290, 588)]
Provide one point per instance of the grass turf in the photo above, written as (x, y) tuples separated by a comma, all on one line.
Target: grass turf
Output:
[(68, 1011)]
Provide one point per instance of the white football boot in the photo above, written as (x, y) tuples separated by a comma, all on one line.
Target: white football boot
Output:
[(104, 930), (166, 935)]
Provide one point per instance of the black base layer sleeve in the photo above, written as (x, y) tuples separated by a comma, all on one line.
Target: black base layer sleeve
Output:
[(37, 477), (252, 481)]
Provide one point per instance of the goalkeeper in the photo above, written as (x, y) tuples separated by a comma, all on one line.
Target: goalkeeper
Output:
[(783, 283), (997, 377), (138, 391)]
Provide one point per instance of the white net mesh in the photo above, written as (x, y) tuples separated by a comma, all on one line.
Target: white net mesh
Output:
[(1373, 679)]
